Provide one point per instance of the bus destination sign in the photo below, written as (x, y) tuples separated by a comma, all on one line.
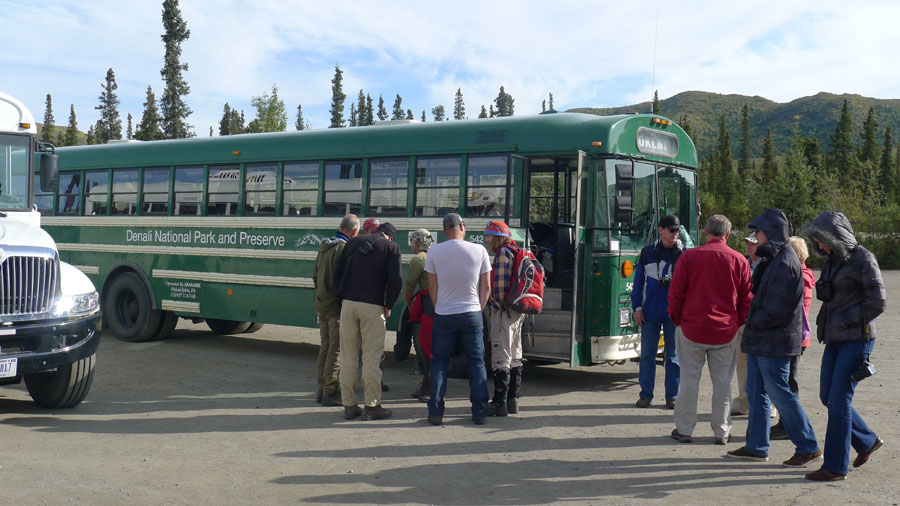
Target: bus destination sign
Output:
[(654, 142)]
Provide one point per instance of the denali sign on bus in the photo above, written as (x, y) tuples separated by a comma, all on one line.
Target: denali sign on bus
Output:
[(654, 142)]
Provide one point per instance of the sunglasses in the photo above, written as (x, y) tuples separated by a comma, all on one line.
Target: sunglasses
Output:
[(675, 230)]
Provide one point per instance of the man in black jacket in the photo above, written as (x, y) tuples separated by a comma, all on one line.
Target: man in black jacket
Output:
[(772, 336), (367, 279)]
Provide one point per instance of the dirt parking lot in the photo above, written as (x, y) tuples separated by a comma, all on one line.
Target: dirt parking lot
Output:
[(200, 419)]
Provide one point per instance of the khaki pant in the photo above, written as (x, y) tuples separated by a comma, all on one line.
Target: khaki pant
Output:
[(722, 360), (506, 340), (362, 331), (327, 366)]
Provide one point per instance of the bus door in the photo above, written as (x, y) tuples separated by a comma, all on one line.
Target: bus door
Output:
[(553, 219)]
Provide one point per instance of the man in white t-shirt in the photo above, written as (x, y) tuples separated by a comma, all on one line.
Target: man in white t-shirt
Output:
[(459, 285)]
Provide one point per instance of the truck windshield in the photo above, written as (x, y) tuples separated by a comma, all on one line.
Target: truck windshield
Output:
[(15, 155)]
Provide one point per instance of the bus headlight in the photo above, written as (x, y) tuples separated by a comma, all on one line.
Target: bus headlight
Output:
[(77, 305), (624, 316)]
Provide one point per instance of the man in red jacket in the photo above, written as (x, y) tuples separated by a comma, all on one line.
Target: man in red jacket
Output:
[(708, 302)]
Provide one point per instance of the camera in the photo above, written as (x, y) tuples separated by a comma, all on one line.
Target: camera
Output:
[(666, 281), (824, 290), (862, 372)]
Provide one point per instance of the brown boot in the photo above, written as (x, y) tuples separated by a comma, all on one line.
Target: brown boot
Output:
[(376, 413), (351, 412)]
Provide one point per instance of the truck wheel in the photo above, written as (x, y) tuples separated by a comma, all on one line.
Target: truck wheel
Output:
[(167, 323), (128, 309), (226, 327), (65, 387), (253, 328)]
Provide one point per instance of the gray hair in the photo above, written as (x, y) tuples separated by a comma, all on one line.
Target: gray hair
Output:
[(718, 225), (423, 238), (350, 222)]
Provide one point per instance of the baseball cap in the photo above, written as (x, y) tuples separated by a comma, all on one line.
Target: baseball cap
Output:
[(669, 220), (497, 228), (752, 239), (452, 220), (370, 224), (388, 229)]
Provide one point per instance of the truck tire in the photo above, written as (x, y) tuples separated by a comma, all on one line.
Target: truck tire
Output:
[(167, 323), (226, 327), (65, 387), (128, 309), (254, 327)]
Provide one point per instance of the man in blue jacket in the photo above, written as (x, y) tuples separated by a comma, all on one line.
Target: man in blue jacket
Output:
[(649, 300)]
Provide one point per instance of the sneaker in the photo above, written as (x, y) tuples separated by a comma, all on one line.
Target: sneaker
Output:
[(722, 440), (802, 459), (351, 412), (498, 409), (823, 475), (512, 405), (332, 400), (777, 432), (376, 413), (681, 438), (643, 402), (435, 419), (670, 403), (863, 457), (744, 453), (478, 420)]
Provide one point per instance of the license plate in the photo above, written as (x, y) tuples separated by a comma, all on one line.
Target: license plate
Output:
[(8, 367)]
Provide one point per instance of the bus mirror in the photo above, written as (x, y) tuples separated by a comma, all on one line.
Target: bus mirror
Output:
[(624, 177), (624, 211), (49, 173)]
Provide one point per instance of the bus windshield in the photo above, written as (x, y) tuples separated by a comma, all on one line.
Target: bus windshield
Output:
[(15, 154)]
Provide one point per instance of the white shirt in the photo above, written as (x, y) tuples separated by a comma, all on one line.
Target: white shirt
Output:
[(458, 265)]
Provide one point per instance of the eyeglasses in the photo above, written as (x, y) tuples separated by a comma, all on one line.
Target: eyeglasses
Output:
[(675, 230)]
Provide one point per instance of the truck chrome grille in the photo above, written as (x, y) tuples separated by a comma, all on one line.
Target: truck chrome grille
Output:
[(27, 284)]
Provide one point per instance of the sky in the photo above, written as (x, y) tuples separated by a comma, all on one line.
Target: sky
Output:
[(587, 53)]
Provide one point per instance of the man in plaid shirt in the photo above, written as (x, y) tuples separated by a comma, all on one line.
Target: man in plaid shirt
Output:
[(506, 323)]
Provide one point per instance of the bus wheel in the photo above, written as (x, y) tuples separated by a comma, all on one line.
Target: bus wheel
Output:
[(167, 324), (226, 327), (255, 326), (65, 387), (128, 309)]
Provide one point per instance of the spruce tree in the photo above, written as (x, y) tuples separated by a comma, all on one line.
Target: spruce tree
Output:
[(361, 112), (174, 111), (109, 126), (90, 136), (270, 113), (370, 114), (409, 114), (60, 137), (459, 107), (544, 105), (887, 166), (505, 103), (398, 108), (438, 112), (299, 124), (225, 122), (47, 129), (210, 131), (483, 114), (149, 128), (423, 116), (382, 112), (491, 112), (870, 143), (842, 145), (656, 108), (744, 159), (724, 147), (337, 99), (551, 102), (769, 166), (72, 128), (353, 122), (129, 134)]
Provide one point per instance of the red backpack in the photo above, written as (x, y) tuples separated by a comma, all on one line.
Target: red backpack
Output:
[(526, 283)]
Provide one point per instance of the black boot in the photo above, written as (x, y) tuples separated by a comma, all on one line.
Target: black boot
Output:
[(515, 382), (501, 388), (422, 392)]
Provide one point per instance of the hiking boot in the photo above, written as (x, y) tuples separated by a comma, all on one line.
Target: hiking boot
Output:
[(332, 400), (515, 384), (744, 453), (777, 432), (670, 403), (802, 459), (497, 410), (351, 412), (376, 413), (643, 402), (435, 419), (681, 438), (823, 475), (863, 457), (478, 420), (512, 405)]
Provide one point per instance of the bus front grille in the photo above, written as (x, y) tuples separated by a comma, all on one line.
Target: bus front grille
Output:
[(27, 285)]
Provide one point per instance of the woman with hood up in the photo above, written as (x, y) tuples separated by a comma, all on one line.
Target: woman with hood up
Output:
[(852, 294)]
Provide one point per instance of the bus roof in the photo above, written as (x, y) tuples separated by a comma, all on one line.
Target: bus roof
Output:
[(528, 135), (15, 117)]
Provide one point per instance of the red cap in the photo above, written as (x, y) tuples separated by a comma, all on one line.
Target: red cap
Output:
[(370, 225), (497, 228)]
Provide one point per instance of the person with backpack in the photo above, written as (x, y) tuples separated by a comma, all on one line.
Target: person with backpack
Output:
[(649, 301), (506, 317)]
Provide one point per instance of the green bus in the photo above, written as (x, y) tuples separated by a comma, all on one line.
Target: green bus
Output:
[(226, 229)]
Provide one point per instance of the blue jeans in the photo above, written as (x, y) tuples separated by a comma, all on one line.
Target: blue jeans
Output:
[(845, 426), (649, 346), (767, 379), (447, 331)]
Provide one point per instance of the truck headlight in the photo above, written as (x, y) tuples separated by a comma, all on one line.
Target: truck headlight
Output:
[(77, 305), (624, 317)]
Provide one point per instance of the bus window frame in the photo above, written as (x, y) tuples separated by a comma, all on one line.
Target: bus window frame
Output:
[(317, 191), (405, 187), (86, 194)]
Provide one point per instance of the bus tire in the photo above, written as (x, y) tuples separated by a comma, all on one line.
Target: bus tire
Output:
[(128, 309), (254, 327), (167, 324), (65, 387), (226, 327)]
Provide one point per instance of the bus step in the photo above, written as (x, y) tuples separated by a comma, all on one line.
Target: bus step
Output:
[(548, 344), (553, 321), (552, 299)]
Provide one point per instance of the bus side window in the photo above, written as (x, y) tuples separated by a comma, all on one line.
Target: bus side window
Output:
[(70, 193)]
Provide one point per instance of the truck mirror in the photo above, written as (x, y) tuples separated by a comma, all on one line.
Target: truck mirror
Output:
[(49, 173), (624, 177), (624, 211)]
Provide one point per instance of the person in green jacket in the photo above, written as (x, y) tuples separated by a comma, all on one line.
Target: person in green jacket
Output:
[(328, 308)]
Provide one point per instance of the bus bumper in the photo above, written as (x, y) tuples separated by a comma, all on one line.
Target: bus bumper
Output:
[(43, 346), (615, 348)]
